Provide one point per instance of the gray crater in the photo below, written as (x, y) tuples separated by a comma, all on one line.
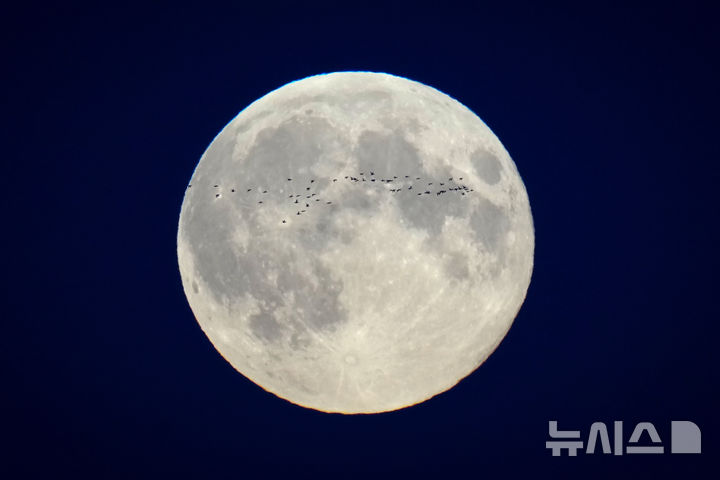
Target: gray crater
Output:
[(487, 166), (391, 154), (490, 224), (387, 153), (456, 266), (264, 326), (278, 152)]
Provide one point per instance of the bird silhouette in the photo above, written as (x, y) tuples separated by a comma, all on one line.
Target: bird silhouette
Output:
[(372, 176)]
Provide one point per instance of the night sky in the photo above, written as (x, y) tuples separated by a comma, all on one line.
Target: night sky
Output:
[(609, 112)]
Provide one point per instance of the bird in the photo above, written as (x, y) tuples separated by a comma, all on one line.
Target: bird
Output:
[(410, 187), (312, 181), (334, 179), (328, 203), (283, 221), (215, 186), (264, 191), (217, 195), (289, 179), (371, 173), (249, 189), (260, 201), (307, 205), (232, 190), (307, 188)]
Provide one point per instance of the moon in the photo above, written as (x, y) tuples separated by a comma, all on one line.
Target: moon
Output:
[(355, 242)]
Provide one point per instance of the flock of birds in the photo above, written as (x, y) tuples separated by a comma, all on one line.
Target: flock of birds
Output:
[(307, 198)]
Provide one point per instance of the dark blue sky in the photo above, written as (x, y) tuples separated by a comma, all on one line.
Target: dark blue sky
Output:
[(610, 113)]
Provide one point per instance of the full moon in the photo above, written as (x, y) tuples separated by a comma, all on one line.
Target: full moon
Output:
[(355, 242)]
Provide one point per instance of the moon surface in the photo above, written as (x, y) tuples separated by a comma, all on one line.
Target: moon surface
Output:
[(355, 242)]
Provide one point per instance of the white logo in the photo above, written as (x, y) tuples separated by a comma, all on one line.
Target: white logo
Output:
[(684, 438)]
